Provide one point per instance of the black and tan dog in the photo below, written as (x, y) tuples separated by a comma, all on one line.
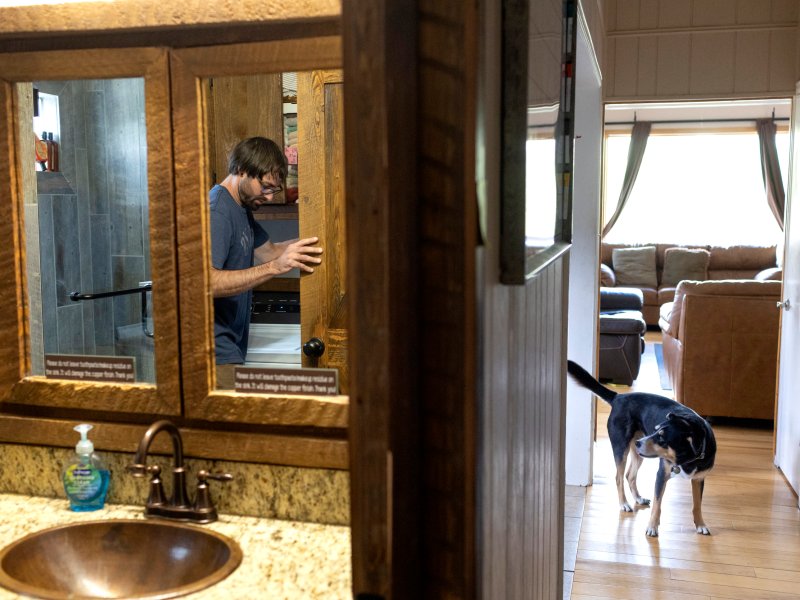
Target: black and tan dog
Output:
[(655, 427)]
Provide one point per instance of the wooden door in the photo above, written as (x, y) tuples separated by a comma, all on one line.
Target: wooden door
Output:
[(320, 121), (237, 108)]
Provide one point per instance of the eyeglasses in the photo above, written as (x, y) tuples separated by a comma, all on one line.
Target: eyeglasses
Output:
[(267, 189)]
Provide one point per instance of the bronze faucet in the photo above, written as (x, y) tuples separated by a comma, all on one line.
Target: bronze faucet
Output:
[(178, 507)]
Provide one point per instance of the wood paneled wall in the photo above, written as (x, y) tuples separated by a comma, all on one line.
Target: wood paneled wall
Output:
[(687, 49)]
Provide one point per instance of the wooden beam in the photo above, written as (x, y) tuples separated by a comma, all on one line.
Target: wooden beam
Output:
[(248, 446), (380, 66)]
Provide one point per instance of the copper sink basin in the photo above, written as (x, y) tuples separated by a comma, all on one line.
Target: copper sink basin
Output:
[(117, 559)]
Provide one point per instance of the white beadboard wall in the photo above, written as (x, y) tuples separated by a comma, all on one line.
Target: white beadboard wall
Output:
[(594, 17), (694, 49), (522, 420)]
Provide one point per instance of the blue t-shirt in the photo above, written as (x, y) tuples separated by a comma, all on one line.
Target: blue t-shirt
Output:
[(234, 236)]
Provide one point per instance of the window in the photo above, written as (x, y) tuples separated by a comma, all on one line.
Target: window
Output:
[(540, 183), (694, 188)]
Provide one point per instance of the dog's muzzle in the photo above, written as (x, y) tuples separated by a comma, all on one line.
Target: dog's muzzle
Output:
[(644, 448)]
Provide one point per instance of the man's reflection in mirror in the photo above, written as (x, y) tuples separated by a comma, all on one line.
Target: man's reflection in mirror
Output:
[(242, 254)]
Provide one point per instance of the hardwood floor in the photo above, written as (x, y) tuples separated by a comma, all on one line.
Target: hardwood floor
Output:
[(753, 552)]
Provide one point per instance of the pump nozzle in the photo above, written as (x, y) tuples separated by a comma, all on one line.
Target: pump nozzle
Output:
[(85, 445)]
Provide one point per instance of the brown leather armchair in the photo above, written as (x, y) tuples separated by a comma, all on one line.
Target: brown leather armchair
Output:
[(721, 346)]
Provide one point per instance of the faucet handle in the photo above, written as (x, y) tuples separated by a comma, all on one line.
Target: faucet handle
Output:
[(137, 470), (202, 501), (203, 475), (155, 496)]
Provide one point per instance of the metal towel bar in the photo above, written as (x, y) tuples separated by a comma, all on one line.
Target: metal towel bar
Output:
[(144, 287)]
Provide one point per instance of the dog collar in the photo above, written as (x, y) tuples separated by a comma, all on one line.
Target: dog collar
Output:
[(700, 456)]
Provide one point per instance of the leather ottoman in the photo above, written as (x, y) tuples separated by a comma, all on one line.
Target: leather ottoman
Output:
[(622, 328)]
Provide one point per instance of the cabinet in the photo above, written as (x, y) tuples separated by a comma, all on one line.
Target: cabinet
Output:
[(185, 132)]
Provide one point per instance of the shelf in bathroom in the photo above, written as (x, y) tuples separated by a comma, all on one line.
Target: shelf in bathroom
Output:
[(49, 182), (282, 559)]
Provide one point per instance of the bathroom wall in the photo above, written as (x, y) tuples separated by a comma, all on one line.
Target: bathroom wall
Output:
[(257, 490)]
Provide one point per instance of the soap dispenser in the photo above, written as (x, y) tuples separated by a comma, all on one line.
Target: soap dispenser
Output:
[(85, 477)]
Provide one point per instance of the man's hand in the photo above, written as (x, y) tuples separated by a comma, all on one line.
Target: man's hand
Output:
[(297, 254), (276, 259)]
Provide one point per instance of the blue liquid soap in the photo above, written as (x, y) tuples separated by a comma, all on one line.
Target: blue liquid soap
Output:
[(85, 476)]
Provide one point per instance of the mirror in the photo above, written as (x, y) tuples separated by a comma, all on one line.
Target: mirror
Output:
[(283, 108), (205, 127), (87, 227), (538, 96), (301, 114), (82, 229)]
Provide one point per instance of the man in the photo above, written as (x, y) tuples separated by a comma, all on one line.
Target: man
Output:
[(242, 255)]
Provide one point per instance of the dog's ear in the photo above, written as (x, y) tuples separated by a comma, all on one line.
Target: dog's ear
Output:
[(674, 417)]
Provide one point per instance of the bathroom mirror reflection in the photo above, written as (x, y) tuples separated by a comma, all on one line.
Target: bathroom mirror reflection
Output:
[(87, 230), (297, 318), (543, 105)]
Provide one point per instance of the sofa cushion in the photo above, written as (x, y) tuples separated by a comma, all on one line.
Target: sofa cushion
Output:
[(685, 263), (664, 316), (625, 322), (607, 277), (621, 299), (773, 274), (635, 266), (666, 293), (742, 258)]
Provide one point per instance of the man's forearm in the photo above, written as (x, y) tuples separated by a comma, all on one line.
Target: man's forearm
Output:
[(230, 283)]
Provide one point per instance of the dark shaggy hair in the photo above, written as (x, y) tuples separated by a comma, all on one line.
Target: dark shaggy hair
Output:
[(256, 157)]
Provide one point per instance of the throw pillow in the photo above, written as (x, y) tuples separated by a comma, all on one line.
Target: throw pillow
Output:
[(685, 263), (607, 278), (773, 274), (635, 266)]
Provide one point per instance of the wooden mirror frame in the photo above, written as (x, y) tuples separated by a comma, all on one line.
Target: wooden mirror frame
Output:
[(188, 68), (15, 387)]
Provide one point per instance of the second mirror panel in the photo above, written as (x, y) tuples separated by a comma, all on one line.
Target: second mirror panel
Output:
[(276, 173)]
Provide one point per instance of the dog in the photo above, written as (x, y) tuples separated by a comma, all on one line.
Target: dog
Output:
[(655, 427)]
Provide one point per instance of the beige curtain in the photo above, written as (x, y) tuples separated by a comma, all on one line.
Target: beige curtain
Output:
[(639, 135), (771, 169)]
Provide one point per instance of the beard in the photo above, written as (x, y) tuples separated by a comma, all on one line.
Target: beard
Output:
[(248, 200)]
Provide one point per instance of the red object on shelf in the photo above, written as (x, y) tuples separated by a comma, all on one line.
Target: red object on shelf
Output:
[(291, 154), (40, 148)]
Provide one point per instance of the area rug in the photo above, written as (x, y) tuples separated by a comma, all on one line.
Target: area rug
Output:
[(662, 371)]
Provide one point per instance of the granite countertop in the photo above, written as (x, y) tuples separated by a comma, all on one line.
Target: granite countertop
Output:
[(287, 560)]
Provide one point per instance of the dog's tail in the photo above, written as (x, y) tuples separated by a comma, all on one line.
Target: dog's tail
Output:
[(586, 380)]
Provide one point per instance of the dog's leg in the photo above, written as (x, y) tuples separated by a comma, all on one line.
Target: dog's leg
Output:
[(697, 499), (633, 470), (620, 447), (662, 477), (620, 458)]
